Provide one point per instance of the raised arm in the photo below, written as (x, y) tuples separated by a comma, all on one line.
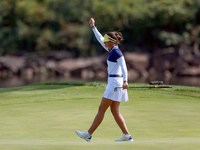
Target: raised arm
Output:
[(97, 33)]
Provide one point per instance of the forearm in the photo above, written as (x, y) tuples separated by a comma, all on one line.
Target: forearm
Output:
[(122, 63), (98, 36)]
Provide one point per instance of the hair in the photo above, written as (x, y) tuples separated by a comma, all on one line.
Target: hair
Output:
[(116, 35)]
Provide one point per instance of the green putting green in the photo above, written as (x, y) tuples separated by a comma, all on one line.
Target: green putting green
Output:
[(45, 116)]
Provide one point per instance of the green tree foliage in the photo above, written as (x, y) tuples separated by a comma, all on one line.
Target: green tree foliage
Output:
[(42, 25), (8, 35)]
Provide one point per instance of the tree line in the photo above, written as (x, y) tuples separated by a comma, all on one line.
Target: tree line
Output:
[(147, 25)]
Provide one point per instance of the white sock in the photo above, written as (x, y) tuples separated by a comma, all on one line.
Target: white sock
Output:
[(88, 133), (128, 136)]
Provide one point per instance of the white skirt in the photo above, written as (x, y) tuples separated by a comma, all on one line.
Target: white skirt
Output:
[(117, 95)]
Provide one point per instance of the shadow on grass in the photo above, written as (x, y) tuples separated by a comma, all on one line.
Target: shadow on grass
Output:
[(52, 85)]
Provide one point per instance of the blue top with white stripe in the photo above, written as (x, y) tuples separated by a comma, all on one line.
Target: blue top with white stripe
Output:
[(115, 54), (116, 62)]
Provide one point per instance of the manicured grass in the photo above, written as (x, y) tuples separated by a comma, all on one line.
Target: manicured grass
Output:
[(44, 116)]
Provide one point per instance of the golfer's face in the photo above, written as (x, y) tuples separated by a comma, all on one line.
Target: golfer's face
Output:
[(108, 44)]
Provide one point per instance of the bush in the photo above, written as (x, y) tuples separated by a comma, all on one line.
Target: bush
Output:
[(43, 25)]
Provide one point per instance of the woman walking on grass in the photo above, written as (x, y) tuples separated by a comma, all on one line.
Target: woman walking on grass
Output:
[(117, 77)]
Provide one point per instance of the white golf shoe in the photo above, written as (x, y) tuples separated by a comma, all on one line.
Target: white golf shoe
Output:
[(85, 135), (125, 138)]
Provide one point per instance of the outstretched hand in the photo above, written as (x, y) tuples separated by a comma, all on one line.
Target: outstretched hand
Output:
[(92, 22)]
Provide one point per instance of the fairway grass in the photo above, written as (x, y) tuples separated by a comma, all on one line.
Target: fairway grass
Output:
[(44, 116)]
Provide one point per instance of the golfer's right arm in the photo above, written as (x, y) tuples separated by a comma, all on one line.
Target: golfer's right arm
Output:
[(97, 33), (98, 36)]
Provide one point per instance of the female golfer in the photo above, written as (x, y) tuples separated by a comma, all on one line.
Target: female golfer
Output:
[(117, 77)]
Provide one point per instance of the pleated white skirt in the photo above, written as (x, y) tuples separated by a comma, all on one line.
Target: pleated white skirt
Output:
[(118, 95)]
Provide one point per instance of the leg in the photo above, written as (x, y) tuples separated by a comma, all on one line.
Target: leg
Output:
[(105, 103), (118, 117)]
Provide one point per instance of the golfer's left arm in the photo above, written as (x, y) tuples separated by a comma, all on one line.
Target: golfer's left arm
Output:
[(122, 63)]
